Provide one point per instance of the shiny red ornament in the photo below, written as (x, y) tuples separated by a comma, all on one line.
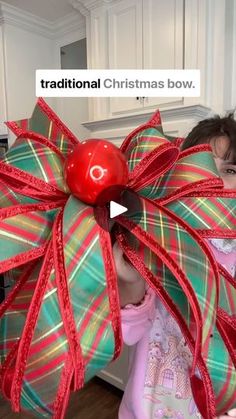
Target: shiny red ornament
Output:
[(93, 167)]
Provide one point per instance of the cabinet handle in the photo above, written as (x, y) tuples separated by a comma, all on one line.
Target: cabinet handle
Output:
[(141, 99)]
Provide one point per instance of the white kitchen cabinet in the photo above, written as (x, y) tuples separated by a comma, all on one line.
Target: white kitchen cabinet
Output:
[(125, 47), (156, 34), (163, 40), (145, 34)]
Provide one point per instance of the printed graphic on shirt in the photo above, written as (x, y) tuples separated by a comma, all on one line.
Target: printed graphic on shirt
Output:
[(224, 245), (225, 253), (167, 391)]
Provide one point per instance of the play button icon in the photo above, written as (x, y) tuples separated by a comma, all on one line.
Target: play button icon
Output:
[(117, 201), (116, 209)]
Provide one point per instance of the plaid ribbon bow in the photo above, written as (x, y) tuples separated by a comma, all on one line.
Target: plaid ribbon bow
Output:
[(60, 323)]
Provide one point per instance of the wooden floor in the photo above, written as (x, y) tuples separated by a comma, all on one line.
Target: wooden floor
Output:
[(97, 400)]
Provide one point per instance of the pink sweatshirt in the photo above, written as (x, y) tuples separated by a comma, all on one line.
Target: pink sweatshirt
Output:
[(158, 384)]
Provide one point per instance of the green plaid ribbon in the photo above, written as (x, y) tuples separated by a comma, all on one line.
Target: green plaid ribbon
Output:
[(60, 323)]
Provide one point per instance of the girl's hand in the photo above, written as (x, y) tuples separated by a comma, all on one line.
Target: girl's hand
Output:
[(130, 283)]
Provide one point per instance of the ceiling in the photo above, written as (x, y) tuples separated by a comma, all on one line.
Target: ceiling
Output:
[(48, 9)]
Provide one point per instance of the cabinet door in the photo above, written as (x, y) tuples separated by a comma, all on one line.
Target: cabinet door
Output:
[(117, 372), (125, 46), (163, 39), (146, 34)]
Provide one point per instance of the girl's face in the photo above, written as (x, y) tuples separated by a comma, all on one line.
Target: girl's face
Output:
[(226, 167)]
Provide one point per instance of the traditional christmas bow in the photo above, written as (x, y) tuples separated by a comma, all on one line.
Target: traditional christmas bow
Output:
[(60, 324)]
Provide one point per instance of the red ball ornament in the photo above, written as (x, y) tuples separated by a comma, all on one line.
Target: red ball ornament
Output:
[(93, 167)]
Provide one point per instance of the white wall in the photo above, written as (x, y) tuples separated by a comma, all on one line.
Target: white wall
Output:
[(3, 116), (27, 44), (24, 53), (73, 111)]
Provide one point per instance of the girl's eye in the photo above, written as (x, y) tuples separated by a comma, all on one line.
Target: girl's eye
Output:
[(230, 170)]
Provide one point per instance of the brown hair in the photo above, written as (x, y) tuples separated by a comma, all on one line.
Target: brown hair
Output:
[(212, 128)]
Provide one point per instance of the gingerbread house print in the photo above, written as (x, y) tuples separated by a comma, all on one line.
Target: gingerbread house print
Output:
[(168, 369)]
